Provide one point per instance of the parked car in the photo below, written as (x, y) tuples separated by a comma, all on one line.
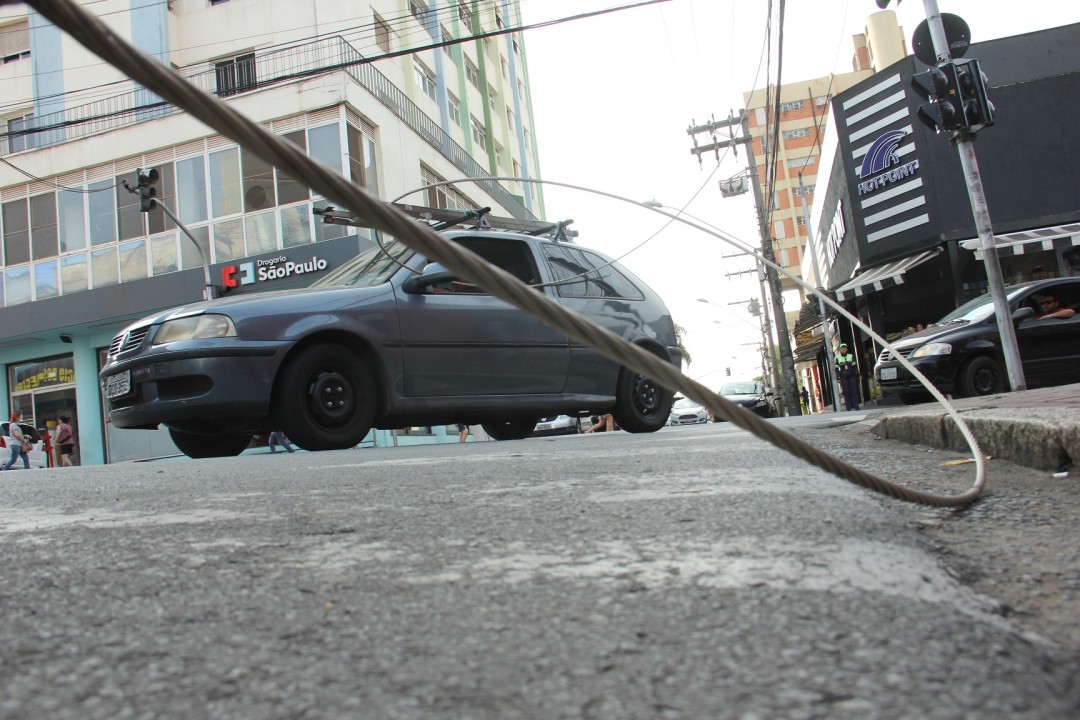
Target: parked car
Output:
[(688, 412), (750, 395), (557, 425), (390, 340), (961, 353), (37, 455)]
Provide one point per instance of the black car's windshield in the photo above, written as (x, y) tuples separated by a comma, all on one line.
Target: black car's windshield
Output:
[(740, 389), (371, 267), (975, 310)]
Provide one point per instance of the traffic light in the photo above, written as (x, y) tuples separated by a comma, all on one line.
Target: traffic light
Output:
[(976, 108), (727, 371), (938, 84), (147, 191)]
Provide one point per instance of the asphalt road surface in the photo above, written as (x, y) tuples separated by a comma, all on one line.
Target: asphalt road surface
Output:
[(695, 573)]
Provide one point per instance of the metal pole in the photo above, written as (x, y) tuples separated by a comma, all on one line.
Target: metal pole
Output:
[(821, 303), (208, 293), (994, 279)]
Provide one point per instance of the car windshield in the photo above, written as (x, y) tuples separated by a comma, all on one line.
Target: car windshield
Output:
[(685, 403), (740, 389), (371, 267), (975, 310)]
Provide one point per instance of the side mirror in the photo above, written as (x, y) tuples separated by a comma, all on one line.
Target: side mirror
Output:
[(1021, 314), (433, 274)]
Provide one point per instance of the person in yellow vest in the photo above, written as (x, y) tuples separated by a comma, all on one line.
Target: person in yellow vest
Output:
[(847, 371)]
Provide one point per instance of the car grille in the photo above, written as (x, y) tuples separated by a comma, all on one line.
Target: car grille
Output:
[(184, 387), (128, 340), (886, 356)]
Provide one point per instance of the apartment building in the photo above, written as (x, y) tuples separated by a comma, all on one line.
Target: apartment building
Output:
[(382, 91)]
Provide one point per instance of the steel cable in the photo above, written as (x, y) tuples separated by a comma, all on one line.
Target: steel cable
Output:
[(99, 39)]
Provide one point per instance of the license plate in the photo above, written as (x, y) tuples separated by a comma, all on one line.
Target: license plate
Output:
[(543, 426), (888, 373), (118, 385)]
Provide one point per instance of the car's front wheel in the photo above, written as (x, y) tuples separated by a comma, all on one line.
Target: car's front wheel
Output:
[(981, 376), (210, 446), (325, 398), (510, 429), (641, 405)]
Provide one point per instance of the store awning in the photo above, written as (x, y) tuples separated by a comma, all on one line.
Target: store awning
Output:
[(809, 351), (882, 276), (1057, 237)]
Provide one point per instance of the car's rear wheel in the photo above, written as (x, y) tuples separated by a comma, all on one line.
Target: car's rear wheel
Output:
[(641, 405), (210, 446), (509, 429), (981, 376), (325, 398)]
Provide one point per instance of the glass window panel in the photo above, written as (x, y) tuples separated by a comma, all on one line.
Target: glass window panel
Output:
[(73, 274), (228, 240), (296, 225), (156, 220), (261, 233), (133, 261), (129, 220), (102, 212), (18, 285), (324, 145), (43, 233), (258, 183), (104, 268), (288, 189), (327, 231), (71, 209), (371, 176), (191, 190), (1, 288), (225, 185), (16, 219), (45, 280), (356, 155), (163, 254), (189, 253)]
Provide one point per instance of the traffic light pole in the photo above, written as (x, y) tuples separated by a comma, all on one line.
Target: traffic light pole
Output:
[(208, 293), (970, 165)]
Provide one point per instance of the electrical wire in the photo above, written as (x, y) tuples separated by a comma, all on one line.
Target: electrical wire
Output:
[(65, 188)]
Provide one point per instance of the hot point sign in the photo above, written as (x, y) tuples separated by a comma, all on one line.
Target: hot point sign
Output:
[(881, 165), (271, 269)]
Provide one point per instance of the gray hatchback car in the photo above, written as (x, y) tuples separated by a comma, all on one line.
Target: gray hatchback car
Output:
[(390, 340)]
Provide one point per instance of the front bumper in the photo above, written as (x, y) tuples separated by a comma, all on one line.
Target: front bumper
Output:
[(939, 370), (208, 388)]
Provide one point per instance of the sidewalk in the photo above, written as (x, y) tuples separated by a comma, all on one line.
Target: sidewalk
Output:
[(1035, 428)]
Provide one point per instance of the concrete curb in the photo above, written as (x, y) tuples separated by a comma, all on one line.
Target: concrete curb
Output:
[(1044, 438)]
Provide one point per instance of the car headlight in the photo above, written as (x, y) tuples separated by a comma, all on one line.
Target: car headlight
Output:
[(198, 327), (932, 349), (759, 403)]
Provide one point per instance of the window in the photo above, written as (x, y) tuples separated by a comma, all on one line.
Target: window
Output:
[(295, 225), (18, 143), (258, 182), (71, 210), (382, 34), (289, 190), (419, 10), (425, 79), (505, 68), (362, 159), (479, 133), (228, 240), (236, 75), (73, 273), (447, 38), (261, 231), (225, 186), (191, 190), (493, 101), (800, 191), (800, 163), (133, 261), (104, 268), (463, 14), (498, 157), (517, 169), (129, 221), (794, 105), (163, 255), (580, 273), (443, 196), (454, 106), (16, 217), (779, 231), (472, 74), (102, 206), (324, 145), (15, 42), (17, 281), (44, 239), (796, 133), (510, 119), (156, 220), (528, 141), (46, 280)]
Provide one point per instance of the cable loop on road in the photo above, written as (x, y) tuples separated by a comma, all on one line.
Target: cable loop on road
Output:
[(88, 30)]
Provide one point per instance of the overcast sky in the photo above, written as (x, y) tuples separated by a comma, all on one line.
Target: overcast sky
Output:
[(614, 95)]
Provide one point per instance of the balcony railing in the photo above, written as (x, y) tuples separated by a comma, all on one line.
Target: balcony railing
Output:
[(255, 72)]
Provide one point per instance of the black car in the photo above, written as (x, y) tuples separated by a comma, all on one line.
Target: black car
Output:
[(750, 395), (961, 353)]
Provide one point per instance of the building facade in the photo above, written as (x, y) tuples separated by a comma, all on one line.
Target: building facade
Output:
[(395, 95), (893, 224)]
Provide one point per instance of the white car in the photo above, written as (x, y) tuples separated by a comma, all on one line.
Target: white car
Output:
[(557, 425), (37, 455), (688, 412)]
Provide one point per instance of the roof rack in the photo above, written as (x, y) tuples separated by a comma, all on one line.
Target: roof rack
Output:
[(444, 219)]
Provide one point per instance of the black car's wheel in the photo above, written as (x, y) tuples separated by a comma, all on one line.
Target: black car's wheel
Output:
[(641, 405), (981, 376), (210, 446), (325, 398), (510, 429)]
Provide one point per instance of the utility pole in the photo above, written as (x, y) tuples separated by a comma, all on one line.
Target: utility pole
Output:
[(768, 352), (771, 279)]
